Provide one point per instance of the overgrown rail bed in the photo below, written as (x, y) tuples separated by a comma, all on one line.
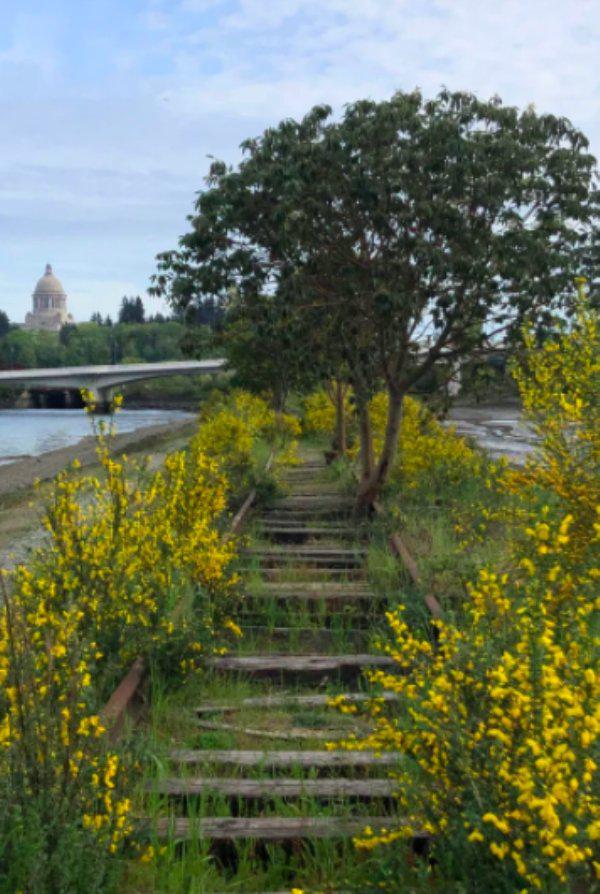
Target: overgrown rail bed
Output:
[(317, 714), (250, 772)]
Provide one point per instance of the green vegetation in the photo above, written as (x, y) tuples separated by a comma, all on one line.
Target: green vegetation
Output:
[(402, 236), (91, 343), (135, 562), (356, 258)]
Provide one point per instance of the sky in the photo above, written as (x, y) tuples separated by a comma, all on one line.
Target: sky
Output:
[(109, 109)]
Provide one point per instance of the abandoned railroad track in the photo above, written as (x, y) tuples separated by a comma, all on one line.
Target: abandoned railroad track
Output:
[(283, 779)]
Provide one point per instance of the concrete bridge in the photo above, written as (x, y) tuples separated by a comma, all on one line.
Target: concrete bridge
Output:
[(101, 381)]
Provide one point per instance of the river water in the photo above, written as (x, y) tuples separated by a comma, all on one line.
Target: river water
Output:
[(500, 429), (33, 432)]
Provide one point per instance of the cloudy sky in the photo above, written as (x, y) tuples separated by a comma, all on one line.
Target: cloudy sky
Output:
[(109, 108)]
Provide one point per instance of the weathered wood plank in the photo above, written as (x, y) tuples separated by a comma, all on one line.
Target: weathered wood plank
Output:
[(276, 788), (314, 514), (275, 663), (309, 597), (400, 549), (294, 552), (310, 500), (324, 573), (265, 828), (327, 562), (301, 529), (321, 512), (310, 593), (121, 700), (317, 639), (299, 489), (325, 587), (285, 759), (288, 701), (288, 735)]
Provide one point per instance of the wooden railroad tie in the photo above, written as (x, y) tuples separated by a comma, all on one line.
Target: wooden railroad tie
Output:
[(264, 828), (328, 760), (310, 664), (365, 789), (296, 701)]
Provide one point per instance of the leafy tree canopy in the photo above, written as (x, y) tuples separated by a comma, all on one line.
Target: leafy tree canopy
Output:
[(400, 235)]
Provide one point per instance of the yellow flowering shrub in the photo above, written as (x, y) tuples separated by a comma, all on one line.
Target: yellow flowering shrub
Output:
[(560, 388), (499, 723), (61, 786), (429, 455), (134, 563), (231, 428), (498, 717), (318, 411)]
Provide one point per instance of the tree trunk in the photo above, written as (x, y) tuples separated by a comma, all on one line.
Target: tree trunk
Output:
[(279, 398), (340, 444), (371, 485), (366, 440)]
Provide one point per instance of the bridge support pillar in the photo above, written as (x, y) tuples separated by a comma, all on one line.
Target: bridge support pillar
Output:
[(101, 398), (24, 401)]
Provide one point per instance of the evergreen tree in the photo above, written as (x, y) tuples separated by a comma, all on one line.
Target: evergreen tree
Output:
[(132, 310)]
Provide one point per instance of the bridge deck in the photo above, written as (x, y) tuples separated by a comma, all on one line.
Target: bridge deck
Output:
[(168, 367)]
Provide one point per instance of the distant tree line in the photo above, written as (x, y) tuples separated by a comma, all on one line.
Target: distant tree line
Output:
[(134, 338)]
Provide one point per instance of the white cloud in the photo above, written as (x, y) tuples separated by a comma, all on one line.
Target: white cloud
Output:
[(275, 56), (105, 136)]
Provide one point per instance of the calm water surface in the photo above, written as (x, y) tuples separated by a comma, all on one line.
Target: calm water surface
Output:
[(33, 432)]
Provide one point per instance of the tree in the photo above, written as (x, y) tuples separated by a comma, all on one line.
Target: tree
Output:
[(17, 350), (408, 230), (97, 318), (264, 345), (67, 331), (4, 324), (131, 310)]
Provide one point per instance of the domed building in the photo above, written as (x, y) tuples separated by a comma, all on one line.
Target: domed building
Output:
[(49, 304)]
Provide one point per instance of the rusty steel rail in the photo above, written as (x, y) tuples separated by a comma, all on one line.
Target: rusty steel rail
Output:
[(121, 702), (127, 694), (401, 550)]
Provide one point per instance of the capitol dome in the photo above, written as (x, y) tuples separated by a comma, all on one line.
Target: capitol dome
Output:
[(49, 284), (49, 304)]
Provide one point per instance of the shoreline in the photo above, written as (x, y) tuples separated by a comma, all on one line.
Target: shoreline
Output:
[(18, 476)]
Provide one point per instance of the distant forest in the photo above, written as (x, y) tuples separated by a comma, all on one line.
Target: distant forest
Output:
[(132, 339)]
